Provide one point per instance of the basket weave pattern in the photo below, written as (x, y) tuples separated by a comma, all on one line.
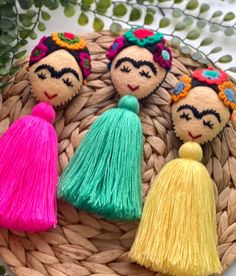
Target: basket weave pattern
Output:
[(85, 244)]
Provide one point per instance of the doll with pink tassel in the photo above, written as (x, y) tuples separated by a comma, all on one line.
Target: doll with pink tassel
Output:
[(58, 67)]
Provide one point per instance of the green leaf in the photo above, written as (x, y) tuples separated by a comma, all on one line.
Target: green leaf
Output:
[(24, 34), (178, 1), (201, 23), (204, 8), (225, 59), (192, 5), (119, 10), (175, 41), (21, 54), (45, 15), (98, 24), (6, 24), (14, 70), (135, 14), (214, 28), (104, 4), (229, 16), (6, 39), (25, 4), (33, 35), (196, 56), (232, 69), (188, 21), (115, 28), (26, 22), (185, 50), (3, 71), (164, 22), (206, 41), (180, 26), (176, 13), (217, 14), (151, 10), (41, 26), (83, 19), (216, 50), (69, 10), (149, 18), (192, 35), (31, 13), (229, 31), (87, 2), (50, 4), (7, 10)]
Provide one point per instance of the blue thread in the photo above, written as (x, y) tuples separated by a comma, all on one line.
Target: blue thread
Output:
[(230, 94), (179, 88), (165, 55)]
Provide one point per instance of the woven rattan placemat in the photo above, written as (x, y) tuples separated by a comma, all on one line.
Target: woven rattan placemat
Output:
[(84, 244)]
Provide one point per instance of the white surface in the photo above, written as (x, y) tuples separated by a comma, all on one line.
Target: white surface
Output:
[(59, 23)]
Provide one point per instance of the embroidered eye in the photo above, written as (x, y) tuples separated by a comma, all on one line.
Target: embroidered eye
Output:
[(145, 74), (42, 76), (68, 82), (185, 116), (125, 69), (208, 124)]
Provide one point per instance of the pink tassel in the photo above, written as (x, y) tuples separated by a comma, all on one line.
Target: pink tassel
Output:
[(28, 172)]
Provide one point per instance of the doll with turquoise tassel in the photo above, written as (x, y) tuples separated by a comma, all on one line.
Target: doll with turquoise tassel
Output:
[(104, 175)]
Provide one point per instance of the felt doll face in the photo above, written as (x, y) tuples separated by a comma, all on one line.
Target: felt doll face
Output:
[(134, 72), (56, 78), (200, 116)]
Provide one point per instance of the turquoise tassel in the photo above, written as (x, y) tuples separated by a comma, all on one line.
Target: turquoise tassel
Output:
[(104, 175)]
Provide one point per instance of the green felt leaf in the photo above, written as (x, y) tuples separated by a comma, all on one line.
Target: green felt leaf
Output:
[(119, 10), (206, 41), (178, 1), (6, 39), (14, 70), (69, 10), (149, 18), (115, 28), (164, 22), (180, 26), (229, 31), (20, 54), (41, 26), (192, 35), (51, 4), (83, 19), (188, 21), (135, 14), (88, 2), (3, 71), (98, 24), (229, 16), (225, 59), (7, 24), (214, 28), (31, 14), (33, 35), (204, 8), (232, 69), (45, 15), (192, 5), (25, 4), (151, 10), (7, 10), (105, 4)]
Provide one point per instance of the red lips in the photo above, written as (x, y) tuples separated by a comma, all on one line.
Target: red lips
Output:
[(133, 88), (194, 137), (50, 96)]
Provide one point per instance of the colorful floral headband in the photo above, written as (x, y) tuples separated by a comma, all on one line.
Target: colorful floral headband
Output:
[(210, 77), (153, 41), (70, 42)]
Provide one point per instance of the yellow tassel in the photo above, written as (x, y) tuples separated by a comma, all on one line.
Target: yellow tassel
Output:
[(177, 232)]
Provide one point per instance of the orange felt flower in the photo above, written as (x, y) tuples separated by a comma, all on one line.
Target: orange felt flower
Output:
[(182, 88), (69, 41), (227, 93)]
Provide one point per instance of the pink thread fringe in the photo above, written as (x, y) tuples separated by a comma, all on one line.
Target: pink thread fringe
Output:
[(28, 172)]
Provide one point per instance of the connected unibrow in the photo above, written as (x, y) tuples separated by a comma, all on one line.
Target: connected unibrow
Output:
[(137, 64), (57, 74), (198, 114)]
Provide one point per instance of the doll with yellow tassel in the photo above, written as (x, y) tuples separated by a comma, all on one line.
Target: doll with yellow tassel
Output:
[(177, 233)]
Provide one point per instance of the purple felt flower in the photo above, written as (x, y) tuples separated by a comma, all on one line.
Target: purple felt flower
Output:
[(39, 51), (85, 63), (163, 56), (115, 47)]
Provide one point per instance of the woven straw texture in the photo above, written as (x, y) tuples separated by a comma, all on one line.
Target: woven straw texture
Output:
[(84, 244)]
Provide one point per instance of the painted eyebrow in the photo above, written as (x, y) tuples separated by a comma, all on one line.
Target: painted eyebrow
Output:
[(137, 64), (57, 74), (198, 114)]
